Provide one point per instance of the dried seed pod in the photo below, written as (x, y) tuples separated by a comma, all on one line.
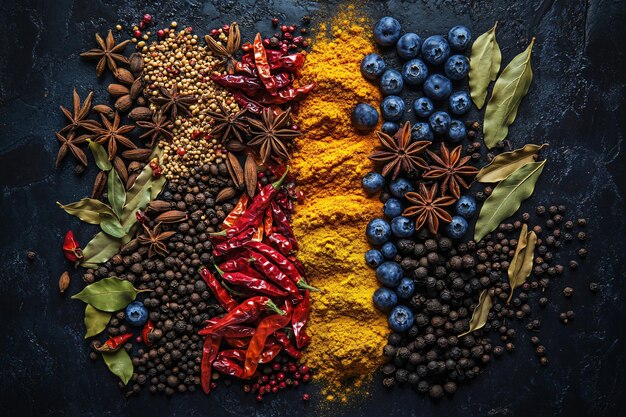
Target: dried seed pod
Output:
[(225, 194), (250, 174), (235, 146), (142, 101), (117, 90), (120, 168), (130, 247), (171, 216), (99, 183), (139, 154), (136, 63), (124, 103), (64, 282), (105, 110), (131, 180), (136, 88), (140, 113), (124, 76), (135, 166), (234, 169), (158, 206)]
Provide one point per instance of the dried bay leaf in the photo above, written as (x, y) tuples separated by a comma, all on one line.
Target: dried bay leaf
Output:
[(100, 155), (522, 263), (116, 193), (119, 364), (506, 198), (506, 163), (112, 227), (109, 294), (485, 63), (508, 92), (95, 321), (481, 312), (102, 247), (88, 210)]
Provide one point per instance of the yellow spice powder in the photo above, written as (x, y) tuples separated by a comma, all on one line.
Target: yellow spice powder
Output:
[(348, 332)]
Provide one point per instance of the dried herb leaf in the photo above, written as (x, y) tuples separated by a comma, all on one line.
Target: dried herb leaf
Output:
[(116, 193), (480, 314), (507, 197), (88, 210), (506, 163), (95, 321), (508, 92), (102, 247), (109, 294), (522, 263), (100, 155), (112, 227), (120, 364), (485, 63), (250, 174), (64, 282)]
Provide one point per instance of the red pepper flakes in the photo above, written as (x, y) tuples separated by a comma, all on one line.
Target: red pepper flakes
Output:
[(71, 249)]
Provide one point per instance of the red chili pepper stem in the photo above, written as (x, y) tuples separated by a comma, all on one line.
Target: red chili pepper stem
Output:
[(273, 307), (304, 286), (278, 183), (230, 290)]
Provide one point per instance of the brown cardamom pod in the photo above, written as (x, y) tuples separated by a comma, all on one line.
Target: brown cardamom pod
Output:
[(158, 206), (234, 169), (139, 154), (105, 110), (117, 90), (135, 166), (131, 180), (171, 216), (124, 103), (141, 101), (225, 194), (99, 183), (130, 247), (235, 146), (136, 63), (120, 168), (140, 113), (124, 76), (136, 88), (64, 282), (251, 174)]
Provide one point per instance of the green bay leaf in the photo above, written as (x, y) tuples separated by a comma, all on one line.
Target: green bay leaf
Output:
[(109, 294), (102, 247), (119, 364), (100, 155), (508, 92), (112, 227), (87, 209), (116, 193), (485, 60), (481, 312), (506, 198), (506, 163), (95, 321)]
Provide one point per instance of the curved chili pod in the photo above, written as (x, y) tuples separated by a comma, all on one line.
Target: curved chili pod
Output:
[(299, 319), (262, 66), (210, 350), (114, 343), (222, 296)]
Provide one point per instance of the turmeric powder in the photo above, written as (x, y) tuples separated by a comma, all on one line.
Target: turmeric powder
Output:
[(348, 333)]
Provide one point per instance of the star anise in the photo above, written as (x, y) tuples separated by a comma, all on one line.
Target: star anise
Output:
[(428, 207), (79, 118), (155, 238), (269, 134), (173, 102), (400, 154), (449, 170), (70, 143), (227, 124), (158, 128), (113, 133), (108, 54), (227, 54)]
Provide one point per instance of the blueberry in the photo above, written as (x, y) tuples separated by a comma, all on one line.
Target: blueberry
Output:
[(400, 319), (389, 274), (390, 128), (389, 250), (437, 87), (423, 107), (402, 227), (364, 117), (457, 227), (392, 208), (457, 67), (440, 122), (400, 186), (374, 258), (409, 46), (465, 206), (406, 288), (373, 182), (391, 82), (385, 299), (457, 131), (387, 31), (136, 314), (422, 131), (414, 72), (435, 50), (372, 66), (392, 108), (378, 231), (459, 38), (459, 103)]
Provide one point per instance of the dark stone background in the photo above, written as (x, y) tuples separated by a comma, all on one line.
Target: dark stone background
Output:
[(576, 103)]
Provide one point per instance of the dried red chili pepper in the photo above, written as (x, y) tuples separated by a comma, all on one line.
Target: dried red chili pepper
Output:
[(234, 242), (114, 343), (262, 66), (269, 354), (71, 249), (247, 103), (282, 225), (145, 333), (234, 331), (259, 285), (218, 290), (237, 342), (296, 263), (267, 221), (228, 366), (251, 84), (299, 319), (237, 354), (236, 212), (258, 233), (274, 274), (284, 341), (247, 311), (234, 265), (289, 63), (283, 245), (285, 95), (210, 350)]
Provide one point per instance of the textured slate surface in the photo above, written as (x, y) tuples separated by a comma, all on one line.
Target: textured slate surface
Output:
[(576, 103)]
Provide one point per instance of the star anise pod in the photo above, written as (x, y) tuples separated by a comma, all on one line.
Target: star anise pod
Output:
[(155, 238), (400, 154), (109, 53), (428, 208), (173, 102), (70, 143), (449, 170), (227, 54), (269, 134), (227, 124), (113, 133), (79, 117), (158, 128)]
